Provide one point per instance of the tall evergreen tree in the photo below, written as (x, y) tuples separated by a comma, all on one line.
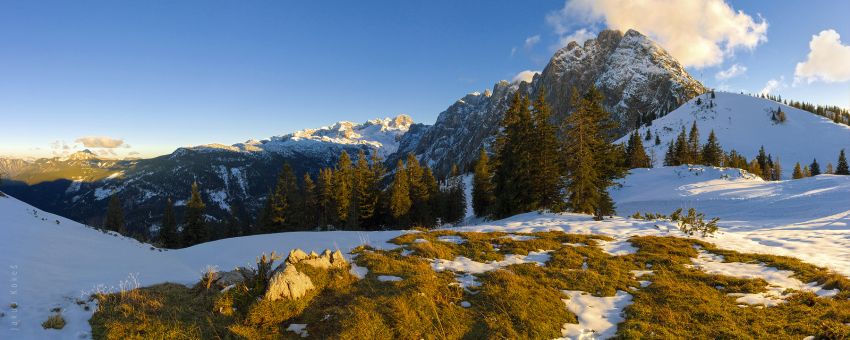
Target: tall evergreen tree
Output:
[(657, 139), (763, 166), (455, 198), (648, 135), (400, 203), (343, 190), (115, 216), (712, 153), (310, 200), (513, 179), (694, 152), (482, 186), (798, 172), (366, 190), (841, 168), (234, 225), (829, 169), (815, 167), (635, 153), (592, 161), (194, 227), (325, 197), (168, 231), (546, 167), (283, 204)]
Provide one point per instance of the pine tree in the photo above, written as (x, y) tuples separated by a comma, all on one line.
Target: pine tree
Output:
[(712, 153), (400, 195), (514, 161), (419, 192), (592, 162), (648, 135), (829, 169), (195, 229), (432, 200), (806, 171), (693, 153), (546, 170), (798, 173), (755, 168), (343, 190), (366, 189), (115, 216), (282, 211), (657, 139), (635, 153), (815, 167), (777, 170), (455, 198), (325, 198), (310, 202), (482, 187), (842, 168), (168, 230), (234, 225)]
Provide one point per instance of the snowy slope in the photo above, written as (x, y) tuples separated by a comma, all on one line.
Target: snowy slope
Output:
[(54, 264), (744, 123), (58, 263)]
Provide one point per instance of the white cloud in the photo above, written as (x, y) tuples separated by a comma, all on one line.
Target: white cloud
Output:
[(828, 60), (100, 142), (513, 51), (773, 85), (579, 36), (531, 41), (698, 33), (526, 76), (732, 72)]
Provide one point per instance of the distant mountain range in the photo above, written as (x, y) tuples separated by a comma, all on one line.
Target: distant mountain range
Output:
[(639, 79)]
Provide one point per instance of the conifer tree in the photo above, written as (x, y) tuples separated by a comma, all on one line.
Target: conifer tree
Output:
[(680, 149), (693, 146), (657, 139), (648, 135), (755, 168), (798, 172), (366, 190), (482, 187), (776, 170), (344, 189), (514, 174), (829, 169), (400, 195), (842, 168), (455, 198), (431, 200), (283, 204), (325, 197), (635, 153), (310, 200), (420, 210), (545, 171), (815, 167), (592, 162), (806, 171), (168, 230), (712, 153), (233, 228), (194, 227), (115, 216)]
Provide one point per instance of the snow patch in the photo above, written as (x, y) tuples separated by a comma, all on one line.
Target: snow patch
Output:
[(597, 316)]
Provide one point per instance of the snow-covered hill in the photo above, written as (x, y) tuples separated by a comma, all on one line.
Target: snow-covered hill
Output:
[(55, 263), (744, 123)]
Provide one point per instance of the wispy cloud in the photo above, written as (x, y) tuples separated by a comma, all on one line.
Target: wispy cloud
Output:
[(526, 76), (531, 41), (732, 72), (773, 85)]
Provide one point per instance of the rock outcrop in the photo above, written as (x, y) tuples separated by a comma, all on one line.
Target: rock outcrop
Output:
[(287, 282)]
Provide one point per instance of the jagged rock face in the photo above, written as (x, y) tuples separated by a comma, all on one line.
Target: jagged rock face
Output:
[(638, 78), (287, 282)]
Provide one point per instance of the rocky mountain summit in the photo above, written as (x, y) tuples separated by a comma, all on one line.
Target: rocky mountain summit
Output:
[(639, 79)]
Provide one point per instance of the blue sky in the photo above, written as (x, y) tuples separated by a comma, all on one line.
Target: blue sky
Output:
[(149, 76)]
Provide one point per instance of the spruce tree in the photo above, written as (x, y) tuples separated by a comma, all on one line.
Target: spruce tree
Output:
[(842, 168), (806, 171), (681, 154), (546, 167), (234, 225), (310, 200), (115, 216), (168, 230), (513, 178), (400, 202), (343, 190), (657, 139), (592, 162), (432, 200), (815, 167), (829, 169), (798, 172), (366, 190), (712, 153), (195, 229), (325, 197), (648, 135), (455, 198), (693, 146), (777, 170), (482, 186), (635, 153), (283, 204)]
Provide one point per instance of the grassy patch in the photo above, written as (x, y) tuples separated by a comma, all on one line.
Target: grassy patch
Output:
[(55, 321), (518, 301)]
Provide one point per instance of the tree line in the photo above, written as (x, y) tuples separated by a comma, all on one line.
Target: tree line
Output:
[(533, 170)]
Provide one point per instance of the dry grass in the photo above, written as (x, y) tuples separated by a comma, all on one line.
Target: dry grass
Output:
[(55, 321), (518, 301)]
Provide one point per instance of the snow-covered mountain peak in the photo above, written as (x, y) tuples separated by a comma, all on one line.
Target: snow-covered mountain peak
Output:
[(83, 155)]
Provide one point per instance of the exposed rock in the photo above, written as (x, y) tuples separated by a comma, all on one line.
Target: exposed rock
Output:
[(233, 277), (327, 260), (288, 283)]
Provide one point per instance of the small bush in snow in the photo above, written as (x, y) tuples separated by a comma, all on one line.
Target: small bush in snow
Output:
[(55, 321), (694, 222)]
